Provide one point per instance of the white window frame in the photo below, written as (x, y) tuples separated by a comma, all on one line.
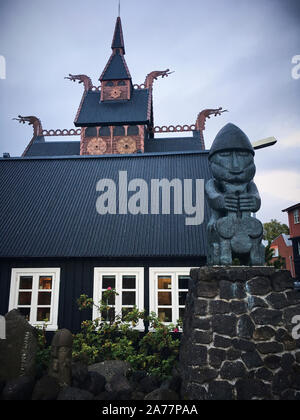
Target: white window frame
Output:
[(16, 273), (118, 272), (296, 216), (174, 272)]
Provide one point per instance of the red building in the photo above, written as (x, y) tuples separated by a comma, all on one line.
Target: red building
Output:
[(283, 247), (294, 225)]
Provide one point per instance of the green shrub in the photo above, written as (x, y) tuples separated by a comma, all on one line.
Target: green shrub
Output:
[(114, 337)]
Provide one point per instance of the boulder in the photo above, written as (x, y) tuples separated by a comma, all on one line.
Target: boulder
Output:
[(19, 389)]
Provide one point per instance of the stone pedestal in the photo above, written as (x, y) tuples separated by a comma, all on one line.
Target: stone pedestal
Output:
[(237, 337)]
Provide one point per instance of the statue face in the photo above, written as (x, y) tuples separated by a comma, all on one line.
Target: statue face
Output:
[(233, 166)]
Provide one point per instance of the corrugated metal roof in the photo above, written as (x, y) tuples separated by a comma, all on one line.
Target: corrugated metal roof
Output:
[(48, 208), (54, 148), (134, 111)]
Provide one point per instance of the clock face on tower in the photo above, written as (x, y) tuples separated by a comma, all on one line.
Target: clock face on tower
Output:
[(126, 145), (115, 93), (96, 146)]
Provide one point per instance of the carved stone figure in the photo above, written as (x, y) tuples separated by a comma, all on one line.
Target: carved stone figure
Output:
[(18, 350), (233, 196), (61, 357)]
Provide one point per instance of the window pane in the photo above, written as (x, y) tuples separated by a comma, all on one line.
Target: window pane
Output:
[(25, 282), (24, 298), (128, 298), (25, 312), (44, 298), (108, 316), (104, 131), (43, 314), (164, 282), (164, 298), (128, 282), (45, 283), (108, 281), (182, 297), (181, 313), (165, 315), (184, 282)]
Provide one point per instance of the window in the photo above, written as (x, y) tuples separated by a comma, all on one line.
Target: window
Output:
[(104, 131), (129, 284), (35, 292), (133, 130), (296, 216), (119, 131), (121, 83), (298, 247), (168, 292), (91, 132)]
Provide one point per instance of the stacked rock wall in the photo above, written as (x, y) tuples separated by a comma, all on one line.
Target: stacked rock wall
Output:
[(237, 338)]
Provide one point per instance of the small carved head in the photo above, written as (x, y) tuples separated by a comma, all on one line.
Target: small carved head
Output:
[(232, 156)]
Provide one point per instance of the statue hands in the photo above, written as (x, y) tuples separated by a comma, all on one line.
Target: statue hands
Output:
[(231, 202), (248, 202)]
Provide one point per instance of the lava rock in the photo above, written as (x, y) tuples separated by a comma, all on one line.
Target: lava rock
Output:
[(219, 307), (259, 286), (233, 370), (19, 389), (95, 383), (263, 334), (80, 375), (252, 360), (263, 316), (270, 347), (230, 291), (245, 328), (74, 394), (46, 389), (222, 342), (109, 368), (149, 384), (216, 357), (224, 324), (220, 391), (162, 395)]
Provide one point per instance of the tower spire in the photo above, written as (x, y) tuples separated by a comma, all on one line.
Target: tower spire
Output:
[(119, 8), (118, 41)]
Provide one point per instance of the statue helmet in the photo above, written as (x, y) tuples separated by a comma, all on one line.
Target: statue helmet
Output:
[(231, 137)]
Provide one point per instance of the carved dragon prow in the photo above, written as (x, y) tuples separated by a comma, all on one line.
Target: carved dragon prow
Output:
[(81, 78), (206, 113), (154, 75), (34, 121)]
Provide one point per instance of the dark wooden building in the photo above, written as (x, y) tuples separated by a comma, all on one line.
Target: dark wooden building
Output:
[(61, 237)]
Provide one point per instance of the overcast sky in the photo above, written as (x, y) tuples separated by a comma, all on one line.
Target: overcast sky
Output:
[(231, 53)]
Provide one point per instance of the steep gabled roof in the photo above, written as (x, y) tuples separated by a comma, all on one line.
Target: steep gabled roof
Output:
[(135, 111), (116, 68)]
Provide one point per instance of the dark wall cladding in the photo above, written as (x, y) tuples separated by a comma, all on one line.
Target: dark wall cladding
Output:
[(48, 208), (77, 277)]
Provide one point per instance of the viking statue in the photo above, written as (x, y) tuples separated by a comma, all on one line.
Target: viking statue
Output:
[(232, 195)]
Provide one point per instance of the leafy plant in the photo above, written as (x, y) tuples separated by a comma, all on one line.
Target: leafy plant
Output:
[(113, 336), (44, 352)]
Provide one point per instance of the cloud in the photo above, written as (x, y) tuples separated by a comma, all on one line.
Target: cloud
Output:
[(292, 140), (283, 185)]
